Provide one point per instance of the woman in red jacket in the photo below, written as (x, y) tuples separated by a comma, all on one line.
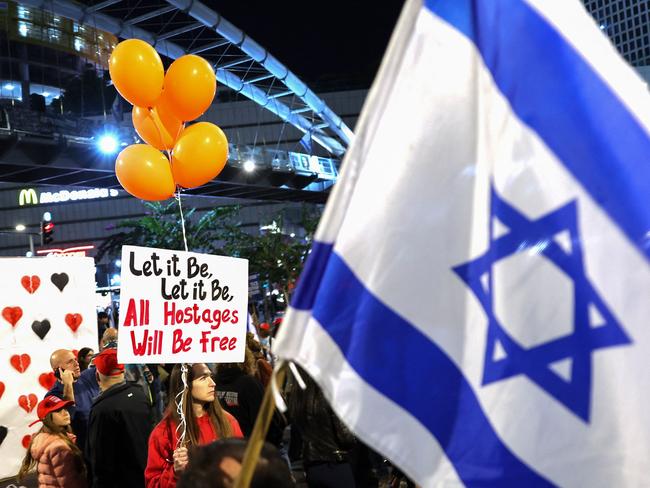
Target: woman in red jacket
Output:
[(53, 450), (205, 422)]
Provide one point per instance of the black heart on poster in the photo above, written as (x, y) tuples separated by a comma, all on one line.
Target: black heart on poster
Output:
[(60, 280), (41, 328), (3, 433)]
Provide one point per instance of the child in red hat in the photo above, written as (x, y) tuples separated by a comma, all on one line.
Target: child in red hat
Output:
[(52, 450)]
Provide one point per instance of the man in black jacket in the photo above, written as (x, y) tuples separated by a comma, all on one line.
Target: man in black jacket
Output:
[(241, 394), (119, 427)]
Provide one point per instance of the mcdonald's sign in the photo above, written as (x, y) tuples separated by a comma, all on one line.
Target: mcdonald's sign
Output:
[(27, 197)]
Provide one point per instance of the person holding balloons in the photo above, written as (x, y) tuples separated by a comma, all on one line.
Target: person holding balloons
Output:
[(175, 154)]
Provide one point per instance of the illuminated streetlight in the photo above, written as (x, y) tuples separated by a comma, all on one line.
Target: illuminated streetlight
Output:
[(249, 166), (108, 144), (20, 227)]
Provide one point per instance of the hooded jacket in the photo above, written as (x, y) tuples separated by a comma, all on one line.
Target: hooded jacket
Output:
[(58, 466)]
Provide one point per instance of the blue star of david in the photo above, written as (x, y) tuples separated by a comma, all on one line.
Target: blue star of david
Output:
[(526, 235)]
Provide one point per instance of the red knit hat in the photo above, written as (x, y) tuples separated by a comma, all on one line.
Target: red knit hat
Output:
[(48, 405), (265, 326)]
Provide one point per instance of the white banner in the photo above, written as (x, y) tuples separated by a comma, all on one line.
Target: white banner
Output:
[(181, 306), (45, 304)]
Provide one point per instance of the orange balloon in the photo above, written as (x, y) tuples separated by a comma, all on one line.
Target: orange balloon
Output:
[(145, 173), (199, 155), (157, 126), (190, 85), (137, 72)]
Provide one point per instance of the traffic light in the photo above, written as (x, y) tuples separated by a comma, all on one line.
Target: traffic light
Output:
[(47, 229)]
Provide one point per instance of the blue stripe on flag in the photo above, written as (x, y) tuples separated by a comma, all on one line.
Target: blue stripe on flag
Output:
[(405, 366), (554, 91)]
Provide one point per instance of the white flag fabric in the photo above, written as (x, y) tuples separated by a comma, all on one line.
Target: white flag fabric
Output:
[(476, 302)]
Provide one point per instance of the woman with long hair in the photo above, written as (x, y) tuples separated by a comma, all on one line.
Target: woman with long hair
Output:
[(85, 357), (52, 450), (205, 421)]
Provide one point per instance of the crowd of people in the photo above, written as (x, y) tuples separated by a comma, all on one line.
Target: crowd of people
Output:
[(105, 424)]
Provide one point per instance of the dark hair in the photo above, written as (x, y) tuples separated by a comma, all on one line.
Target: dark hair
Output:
[(219, 418), (102, 315), (83, 352), (204, 471)]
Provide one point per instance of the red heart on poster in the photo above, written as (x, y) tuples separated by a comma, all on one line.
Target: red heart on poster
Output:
[(30, 283), (26, 440), (28, 403), (2, 389), (47, 380), (73, 320), (20, 363), (12, 315)]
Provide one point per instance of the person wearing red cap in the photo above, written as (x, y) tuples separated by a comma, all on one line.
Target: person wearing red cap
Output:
[(52, 450), (119, 426), (205, 422), (75, 385), (265, 339)]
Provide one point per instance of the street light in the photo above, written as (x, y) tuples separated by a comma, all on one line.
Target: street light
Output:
[(21, 228), (108, 144), (249, 166)]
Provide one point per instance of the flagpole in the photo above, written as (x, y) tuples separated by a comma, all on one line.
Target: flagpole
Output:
[(256, 440)]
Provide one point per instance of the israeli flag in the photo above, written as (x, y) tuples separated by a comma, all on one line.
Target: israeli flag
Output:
[(476, 306)]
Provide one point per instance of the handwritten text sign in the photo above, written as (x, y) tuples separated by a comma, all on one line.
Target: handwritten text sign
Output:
[(181, 307)]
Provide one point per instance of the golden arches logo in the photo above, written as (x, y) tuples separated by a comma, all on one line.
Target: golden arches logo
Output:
[(27, 197)]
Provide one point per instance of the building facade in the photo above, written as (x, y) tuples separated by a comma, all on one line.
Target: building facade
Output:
[(626, 23), (87, 216)]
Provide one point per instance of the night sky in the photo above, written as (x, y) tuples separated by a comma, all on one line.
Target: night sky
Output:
[(328, 44)]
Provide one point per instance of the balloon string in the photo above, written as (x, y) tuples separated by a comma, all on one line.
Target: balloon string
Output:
[(180, 207), (180, 410), (169, 159)]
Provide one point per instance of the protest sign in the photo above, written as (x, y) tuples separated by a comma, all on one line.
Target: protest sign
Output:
[(181, 307)]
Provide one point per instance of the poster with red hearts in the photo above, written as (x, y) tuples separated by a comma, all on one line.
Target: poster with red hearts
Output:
[(45, 304)]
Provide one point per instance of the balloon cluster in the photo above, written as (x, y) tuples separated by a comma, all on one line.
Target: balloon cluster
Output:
[(162, 104)]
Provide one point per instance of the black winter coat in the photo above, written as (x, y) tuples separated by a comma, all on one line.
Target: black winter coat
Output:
[(118, 432), (241, 396), (325, 439)]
